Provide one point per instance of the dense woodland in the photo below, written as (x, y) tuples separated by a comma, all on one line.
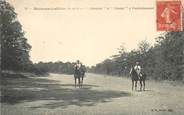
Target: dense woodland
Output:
[(163, 60)]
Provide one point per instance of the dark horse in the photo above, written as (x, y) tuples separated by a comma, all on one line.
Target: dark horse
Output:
[(142, 79), (135, 77), (82, 71), (79, 74)]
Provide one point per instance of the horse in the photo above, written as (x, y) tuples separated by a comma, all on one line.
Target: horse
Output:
[(82, 76), (142, 80), (138, 77), (135, 77), (77, 75), (82, 70)]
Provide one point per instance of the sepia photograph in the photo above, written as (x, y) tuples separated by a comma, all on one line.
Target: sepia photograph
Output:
[(91, 57)]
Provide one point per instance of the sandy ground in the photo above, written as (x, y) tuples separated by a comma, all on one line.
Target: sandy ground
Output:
[(100, 95)]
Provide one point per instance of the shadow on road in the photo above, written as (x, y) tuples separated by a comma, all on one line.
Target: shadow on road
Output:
[(58, 95)]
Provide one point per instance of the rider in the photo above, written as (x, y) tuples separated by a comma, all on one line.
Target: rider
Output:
[(80, 68), (138, 68), (77, 65)]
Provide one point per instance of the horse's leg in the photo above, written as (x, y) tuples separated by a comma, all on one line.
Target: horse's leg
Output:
[(82, 79), (75, 82), (135, 85), (144, 84), (140, 85), (132, 85), (79, 82)]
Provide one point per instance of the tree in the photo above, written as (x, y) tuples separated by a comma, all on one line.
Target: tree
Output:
[(15, 49), (144, 47), (171, 48)]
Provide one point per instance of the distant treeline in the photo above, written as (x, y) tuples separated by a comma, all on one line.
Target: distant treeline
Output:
[(164, 60), (55, 67)]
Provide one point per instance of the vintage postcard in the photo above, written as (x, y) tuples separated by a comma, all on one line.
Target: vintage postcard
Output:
[(92, 57)]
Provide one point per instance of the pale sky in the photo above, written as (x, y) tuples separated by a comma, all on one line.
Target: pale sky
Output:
[(85, 34)]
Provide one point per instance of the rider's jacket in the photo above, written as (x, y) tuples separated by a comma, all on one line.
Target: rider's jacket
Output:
[(137, 69), (77, 66)]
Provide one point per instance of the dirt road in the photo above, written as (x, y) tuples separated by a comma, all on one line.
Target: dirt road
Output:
[(100, 95)]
